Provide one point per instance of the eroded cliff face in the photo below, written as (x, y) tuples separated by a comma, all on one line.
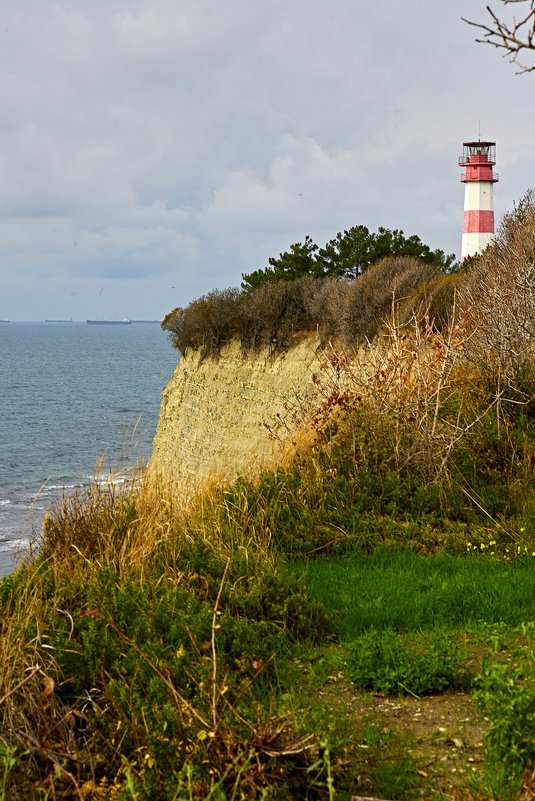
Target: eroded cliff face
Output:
[(212, 420)]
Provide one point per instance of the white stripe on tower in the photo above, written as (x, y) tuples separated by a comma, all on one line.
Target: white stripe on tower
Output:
[(478, 223)]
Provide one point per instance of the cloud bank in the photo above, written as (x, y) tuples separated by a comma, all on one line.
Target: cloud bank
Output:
[(152, 151)]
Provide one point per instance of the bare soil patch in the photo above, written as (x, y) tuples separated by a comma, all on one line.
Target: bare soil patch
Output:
[(444, 732)]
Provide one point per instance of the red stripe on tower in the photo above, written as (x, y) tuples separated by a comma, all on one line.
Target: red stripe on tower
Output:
[(482, 221), (479, 178)]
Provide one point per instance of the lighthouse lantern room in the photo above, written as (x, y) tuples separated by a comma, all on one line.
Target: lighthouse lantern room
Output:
[(478, 178)]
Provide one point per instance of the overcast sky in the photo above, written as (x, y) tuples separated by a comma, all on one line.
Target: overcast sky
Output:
[(151, 151)]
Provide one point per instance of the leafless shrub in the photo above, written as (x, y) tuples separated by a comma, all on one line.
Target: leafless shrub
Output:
[(324, 303), (406, 389), (499, 296), (274, 313), (369, 297)]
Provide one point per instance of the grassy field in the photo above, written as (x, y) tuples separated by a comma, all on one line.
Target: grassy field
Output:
[(400, 590)]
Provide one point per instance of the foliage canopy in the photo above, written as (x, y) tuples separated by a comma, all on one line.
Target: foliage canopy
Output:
[(347, 255)]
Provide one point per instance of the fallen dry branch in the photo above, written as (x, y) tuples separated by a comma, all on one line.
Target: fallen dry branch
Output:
[(21, 683)]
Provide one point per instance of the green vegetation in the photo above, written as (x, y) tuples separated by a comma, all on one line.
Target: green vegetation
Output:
[(424, 665), (506, 692), (346, 256), (401, 590), (316, 633)]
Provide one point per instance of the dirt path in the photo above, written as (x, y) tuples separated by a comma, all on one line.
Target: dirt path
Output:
[(445, 732)]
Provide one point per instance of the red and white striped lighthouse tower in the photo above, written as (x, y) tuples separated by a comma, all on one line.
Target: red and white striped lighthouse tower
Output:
[(478, 224)]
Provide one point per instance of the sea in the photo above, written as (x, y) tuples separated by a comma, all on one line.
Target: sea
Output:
[(72, 397)]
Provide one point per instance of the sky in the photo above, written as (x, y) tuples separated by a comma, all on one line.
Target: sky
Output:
[(152, 151)]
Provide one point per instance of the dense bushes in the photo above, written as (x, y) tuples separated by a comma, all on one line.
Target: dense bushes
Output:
[(335, 308), (369, 299), (268, 316), (506, 693), (498, 297)]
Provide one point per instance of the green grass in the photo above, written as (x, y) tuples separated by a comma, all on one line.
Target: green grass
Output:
[(403, 591)]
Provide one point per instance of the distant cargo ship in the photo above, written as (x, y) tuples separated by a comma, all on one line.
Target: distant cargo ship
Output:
[(124, 321), (64, 320), (4, 320), (146, 321)]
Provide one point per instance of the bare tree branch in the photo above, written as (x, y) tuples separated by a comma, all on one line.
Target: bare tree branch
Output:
[(514, 37)]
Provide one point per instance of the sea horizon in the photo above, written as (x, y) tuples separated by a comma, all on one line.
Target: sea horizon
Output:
[(70, 398)]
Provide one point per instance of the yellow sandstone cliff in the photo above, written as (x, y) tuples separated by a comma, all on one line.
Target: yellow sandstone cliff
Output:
[(212, 419)]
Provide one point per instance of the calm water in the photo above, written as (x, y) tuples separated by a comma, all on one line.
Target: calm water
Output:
[(68, 392)]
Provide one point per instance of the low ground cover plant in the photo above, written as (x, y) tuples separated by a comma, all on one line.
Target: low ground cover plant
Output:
[(506, 693), (388, 663)]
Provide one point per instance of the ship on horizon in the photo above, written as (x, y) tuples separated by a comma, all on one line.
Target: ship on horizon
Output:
[(124, 321), (62, 320)]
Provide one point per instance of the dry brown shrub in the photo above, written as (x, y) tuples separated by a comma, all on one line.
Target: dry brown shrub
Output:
[(369, 297), (217, 320), (406, 388), (324, 302), (272, 315), (498, 297), (434, 298)]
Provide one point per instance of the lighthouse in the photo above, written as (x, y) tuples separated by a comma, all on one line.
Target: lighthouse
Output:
[(478, 224)]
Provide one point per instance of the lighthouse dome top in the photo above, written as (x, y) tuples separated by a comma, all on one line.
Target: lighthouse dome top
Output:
[(478, 152), (479, 144)]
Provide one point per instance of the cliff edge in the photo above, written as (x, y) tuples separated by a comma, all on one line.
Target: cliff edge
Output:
[(212, 422)]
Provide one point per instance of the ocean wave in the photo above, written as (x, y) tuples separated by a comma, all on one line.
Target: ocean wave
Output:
[(5, 502), (56, 487), (115, 480), (14, 545)]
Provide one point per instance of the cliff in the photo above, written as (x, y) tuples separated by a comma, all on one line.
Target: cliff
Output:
[(212, 420)]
